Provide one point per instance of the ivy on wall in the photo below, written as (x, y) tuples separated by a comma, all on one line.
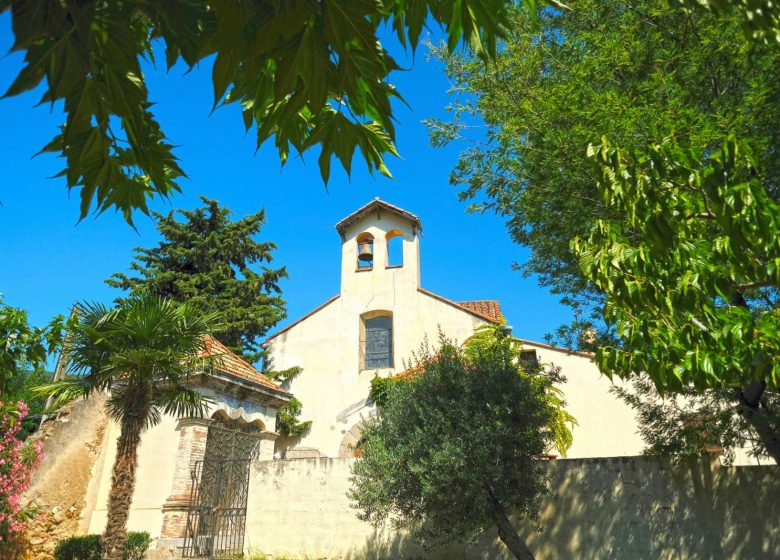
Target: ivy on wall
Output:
[(287, 417)]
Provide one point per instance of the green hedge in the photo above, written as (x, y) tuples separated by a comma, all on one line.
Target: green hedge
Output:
[(89, 547)]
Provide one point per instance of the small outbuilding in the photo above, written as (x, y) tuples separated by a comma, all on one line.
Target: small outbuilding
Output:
[(192, 478)]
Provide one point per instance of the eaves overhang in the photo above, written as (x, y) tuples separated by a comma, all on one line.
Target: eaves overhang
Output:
[(240, 388), (377, 205)]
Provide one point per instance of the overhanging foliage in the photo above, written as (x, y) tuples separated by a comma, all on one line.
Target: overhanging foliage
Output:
[(306, 73), (691, 274)]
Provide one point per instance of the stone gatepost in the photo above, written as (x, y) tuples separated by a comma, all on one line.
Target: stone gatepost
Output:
[(265, 451), (193, 433)]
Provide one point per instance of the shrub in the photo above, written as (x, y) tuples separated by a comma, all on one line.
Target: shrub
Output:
[(17, 461), (85, 547), (137, 543), (89, 547), (456, 447)]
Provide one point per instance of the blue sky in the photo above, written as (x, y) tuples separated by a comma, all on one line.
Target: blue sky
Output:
[(48, 261)]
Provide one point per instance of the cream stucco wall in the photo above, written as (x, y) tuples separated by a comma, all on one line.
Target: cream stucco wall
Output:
[(598, 509), (327, 347), (606, 426), (156, 465)]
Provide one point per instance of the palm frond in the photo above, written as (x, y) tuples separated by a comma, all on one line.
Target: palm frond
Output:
[(142, 351), (64, 390), (181, 401)]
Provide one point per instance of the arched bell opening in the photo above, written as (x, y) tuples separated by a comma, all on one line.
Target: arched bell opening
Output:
[(395, 248), (365, 253)]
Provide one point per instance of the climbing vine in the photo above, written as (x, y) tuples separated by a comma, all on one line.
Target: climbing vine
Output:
[(287, 417)]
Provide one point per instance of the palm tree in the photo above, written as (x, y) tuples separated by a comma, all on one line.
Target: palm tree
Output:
[(141, 352)]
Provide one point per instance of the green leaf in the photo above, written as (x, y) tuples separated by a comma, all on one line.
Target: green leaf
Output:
[(287, 64)]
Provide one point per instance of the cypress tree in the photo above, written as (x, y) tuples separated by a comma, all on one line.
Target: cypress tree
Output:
[(219, 266)]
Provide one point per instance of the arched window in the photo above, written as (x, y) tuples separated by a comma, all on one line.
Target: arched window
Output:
[(376, 343), (365, 257), (352, 443), (395, 248)]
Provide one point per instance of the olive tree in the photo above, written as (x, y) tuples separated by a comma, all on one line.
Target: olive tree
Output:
[(457, 449)]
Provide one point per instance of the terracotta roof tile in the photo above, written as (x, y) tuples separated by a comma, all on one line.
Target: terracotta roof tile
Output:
[(415, 371), (231, 364), (490, 309)]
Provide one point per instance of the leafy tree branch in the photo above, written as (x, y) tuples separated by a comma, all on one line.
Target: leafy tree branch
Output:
[(674, 288), (306, 74)]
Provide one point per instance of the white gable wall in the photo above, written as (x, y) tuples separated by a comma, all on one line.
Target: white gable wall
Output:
[(326, 345), (606, 427)]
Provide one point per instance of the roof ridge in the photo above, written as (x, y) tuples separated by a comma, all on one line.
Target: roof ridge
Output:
[(580, 353), (497, 318)]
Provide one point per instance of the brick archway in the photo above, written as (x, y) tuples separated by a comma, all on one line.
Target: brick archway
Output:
[(349, 444)]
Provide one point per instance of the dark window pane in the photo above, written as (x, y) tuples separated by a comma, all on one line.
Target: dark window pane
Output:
[(378, 349)]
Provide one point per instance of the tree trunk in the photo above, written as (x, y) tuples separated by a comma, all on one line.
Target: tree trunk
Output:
[(122, 486), (508, 534), (754, 411)]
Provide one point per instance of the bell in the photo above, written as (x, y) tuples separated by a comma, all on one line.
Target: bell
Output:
[(365, 252)]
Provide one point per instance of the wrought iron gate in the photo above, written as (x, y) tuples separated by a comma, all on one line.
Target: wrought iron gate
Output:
[(216, 520)]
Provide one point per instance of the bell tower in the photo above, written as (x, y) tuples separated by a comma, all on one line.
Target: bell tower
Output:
[(380, 250)]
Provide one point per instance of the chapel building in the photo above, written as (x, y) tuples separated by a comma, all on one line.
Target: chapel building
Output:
[(381, 317)]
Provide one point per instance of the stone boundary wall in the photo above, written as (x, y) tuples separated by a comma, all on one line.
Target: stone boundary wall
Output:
[(72, 441), (611, 508)]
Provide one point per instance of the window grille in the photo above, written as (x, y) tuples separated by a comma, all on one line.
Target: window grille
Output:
[(378, 351)]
